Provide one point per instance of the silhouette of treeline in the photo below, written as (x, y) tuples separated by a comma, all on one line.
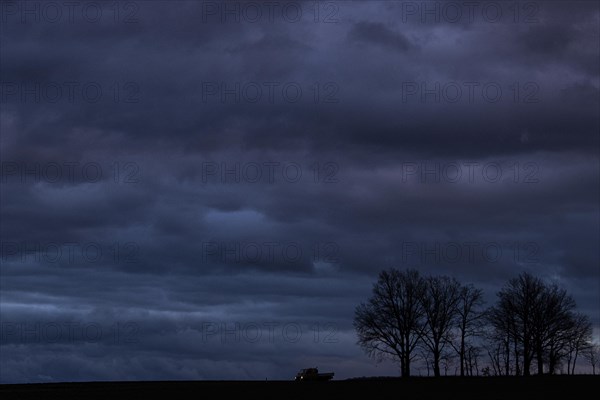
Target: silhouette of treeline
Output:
[(437, 320)]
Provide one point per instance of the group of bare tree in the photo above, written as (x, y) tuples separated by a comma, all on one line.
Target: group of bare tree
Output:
[(437, 319), (536, 323)]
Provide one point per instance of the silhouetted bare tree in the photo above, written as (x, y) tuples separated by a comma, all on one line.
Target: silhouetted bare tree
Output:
[(440, 302), (553, 325), (552, 321), (495, 351), (469, 320), (578, 341), (447, 361), (391, 322), (536, 321), (502, 342), (472, 354), (518, 311), (426, 358), (592, 354), (532, 321)]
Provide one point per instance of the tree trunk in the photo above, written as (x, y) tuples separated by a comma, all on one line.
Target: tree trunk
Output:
[(540, 363), (462, 354), (527, 356), (401, 364), (526, 364), (507, 357), (517, 367), (406, 366), (552, 365), (436, 363), (436, 369)]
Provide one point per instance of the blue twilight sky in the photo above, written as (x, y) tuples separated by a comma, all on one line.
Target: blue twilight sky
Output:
[(206, 190)]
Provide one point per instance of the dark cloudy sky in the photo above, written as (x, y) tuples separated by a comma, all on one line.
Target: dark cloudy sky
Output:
[(206, 190)]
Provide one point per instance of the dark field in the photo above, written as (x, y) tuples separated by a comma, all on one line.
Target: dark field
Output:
[(567, 387)]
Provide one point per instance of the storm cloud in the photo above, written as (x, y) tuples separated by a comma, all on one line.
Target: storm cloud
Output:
[(206, 190)]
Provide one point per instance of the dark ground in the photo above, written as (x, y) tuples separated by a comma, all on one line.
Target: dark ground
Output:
[(547, 387)]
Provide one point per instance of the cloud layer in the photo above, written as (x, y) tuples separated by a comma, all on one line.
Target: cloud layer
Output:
[(206, 190)]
